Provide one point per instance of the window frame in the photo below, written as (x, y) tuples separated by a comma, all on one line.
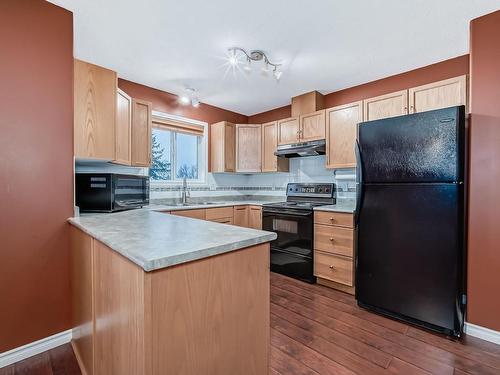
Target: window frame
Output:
[(202, 152)]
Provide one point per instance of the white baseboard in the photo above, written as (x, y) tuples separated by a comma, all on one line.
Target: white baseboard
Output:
[(34, 348), (482, 333)]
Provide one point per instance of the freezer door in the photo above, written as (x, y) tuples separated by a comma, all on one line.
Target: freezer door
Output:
[(410, 253), (422, 147)]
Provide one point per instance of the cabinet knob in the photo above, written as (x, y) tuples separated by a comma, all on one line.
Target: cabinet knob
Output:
[(332, 219), (331, 239), (332, 267)]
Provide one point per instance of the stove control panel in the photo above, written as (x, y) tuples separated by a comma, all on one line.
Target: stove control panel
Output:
[(310, 190)]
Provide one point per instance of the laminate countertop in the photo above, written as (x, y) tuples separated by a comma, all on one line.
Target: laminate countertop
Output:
[(342, 205), (155, 240)]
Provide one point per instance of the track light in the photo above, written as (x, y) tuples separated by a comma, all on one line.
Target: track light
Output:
[(190, 97), (255, 55)]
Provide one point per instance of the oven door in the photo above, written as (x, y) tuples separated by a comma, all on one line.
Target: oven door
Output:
[(292, 251)]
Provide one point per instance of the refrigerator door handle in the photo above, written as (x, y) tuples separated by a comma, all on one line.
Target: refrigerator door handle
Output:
[(359, 181)]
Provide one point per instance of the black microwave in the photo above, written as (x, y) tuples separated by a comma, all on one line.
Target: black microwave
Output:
[(110, 192)]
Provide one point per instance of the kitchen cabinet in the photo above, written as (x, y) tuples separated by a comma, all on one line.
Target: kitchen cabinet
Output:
[(248, 148), (131, 322), (240, 216), (255, 217), (194, 214), (288, 130), (95, 99), (122, 128), (220, 215), (341, 132), (307, 103), (447, 93), (384, 106), (141, 133), (223, 147), (312, 126), (270, 162), (334, 250)]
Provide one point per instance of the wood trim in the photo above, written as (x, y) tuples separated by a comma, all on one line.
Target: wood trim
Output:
[(334, 285), (177, 126)]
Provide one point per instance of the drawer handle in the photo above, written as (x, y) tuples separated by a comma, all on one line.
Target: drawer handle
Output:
[(332, 267)]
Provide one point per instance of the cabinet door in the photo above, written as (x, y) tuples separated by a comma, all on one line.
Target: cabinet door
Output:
[(123, 125), (436, 95), (288, 130), (389, 105), (270, 162), (312, 126), (341, 130), (94, 111), (141, 133), (240, 216), (194, 214), (248, 148), (222, 147), (255, 217)]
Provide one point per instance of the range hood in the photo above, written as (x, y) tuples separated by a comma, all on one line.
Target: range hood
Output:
[(302, 149)]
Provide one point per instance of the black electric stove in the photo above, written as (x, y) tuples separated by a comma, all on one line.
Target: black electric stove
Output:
[(293, 221)]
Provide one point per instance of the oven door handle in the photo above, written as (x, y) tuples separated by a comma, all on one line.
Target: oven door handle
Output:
[(286, 213)]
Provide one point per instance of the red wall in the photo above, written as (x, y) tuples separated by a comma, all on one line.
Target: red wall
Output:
[(432, 73), (484, 182), (168, 103), (36, 169)]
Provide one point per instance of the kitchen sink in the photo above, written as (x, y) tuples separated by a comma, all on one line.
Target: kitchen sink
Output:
[(194, 204)]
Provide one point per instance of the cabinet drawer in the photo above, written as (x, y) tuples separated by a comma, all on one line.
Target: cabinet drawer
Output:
[(340, 219), (334, 240), (334, 268), (195, 214), (223, 220), (219, 212)]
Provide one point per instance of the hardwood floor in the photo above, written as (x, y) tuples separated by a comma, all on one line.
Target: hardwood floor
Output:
[(317, 330)]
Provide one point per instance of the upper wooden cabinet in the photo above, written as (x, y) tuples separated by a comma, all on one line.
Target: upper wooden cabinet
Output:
[(141, 133), (442, 94), (312, 126), (384, 106), (95, 99), (288, 130), (307, 103), (123, 128), (341, 132), (223, 147), (248, 148), (270, 162)]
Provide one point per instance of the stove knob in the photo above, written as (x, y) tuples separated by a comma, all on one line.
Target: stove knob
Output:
[(320, 190)]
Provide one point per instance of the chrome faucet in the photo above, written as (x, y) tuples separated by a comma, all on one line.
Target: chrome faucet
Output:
[(185, 192)]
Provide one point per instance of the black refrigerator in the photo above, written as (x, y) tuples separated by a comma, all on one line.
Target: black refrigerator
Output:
[(410, 218)]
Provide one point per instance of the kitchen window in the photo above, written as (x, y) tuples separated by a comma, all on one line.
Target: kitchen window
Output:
[(178, 150)]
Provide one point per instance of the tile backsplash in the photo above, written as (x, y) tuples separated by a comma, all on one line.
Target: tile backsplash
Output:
[(308, 169)]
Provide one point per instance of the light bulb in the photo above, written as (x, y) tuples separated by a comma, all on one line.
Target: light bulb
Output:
[(184, 99), (195, 102), (232, 58), (277, 74), (248, 66)]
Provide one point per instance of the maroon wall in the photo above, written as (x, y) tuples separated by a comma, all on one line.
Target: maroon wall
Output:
[(169, 103), (484, 182), (432, 73), (36, 169)]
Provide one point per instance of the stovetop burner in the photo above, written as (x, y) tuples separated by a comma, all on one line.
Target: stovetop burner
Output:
[(306, 196)]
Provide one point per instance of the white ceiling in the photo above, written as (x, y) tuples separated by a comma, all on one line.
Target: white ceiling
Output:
[(325, 45)]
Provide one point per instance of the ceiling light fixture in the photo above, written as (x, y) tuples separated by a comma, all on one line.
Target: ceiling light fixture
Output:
[(190, 97), (255, 55)]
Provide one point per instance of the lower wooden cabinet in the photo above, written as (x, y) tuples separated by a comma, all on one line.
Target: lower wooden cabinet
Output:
[(131, 322), (255, 217), (240, 216), (334, 249), (194, 214)]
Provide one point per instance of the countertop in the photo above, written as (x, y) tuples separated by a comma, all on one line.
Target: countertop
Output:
[(155, 240), (194, 206), (342, 205)]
